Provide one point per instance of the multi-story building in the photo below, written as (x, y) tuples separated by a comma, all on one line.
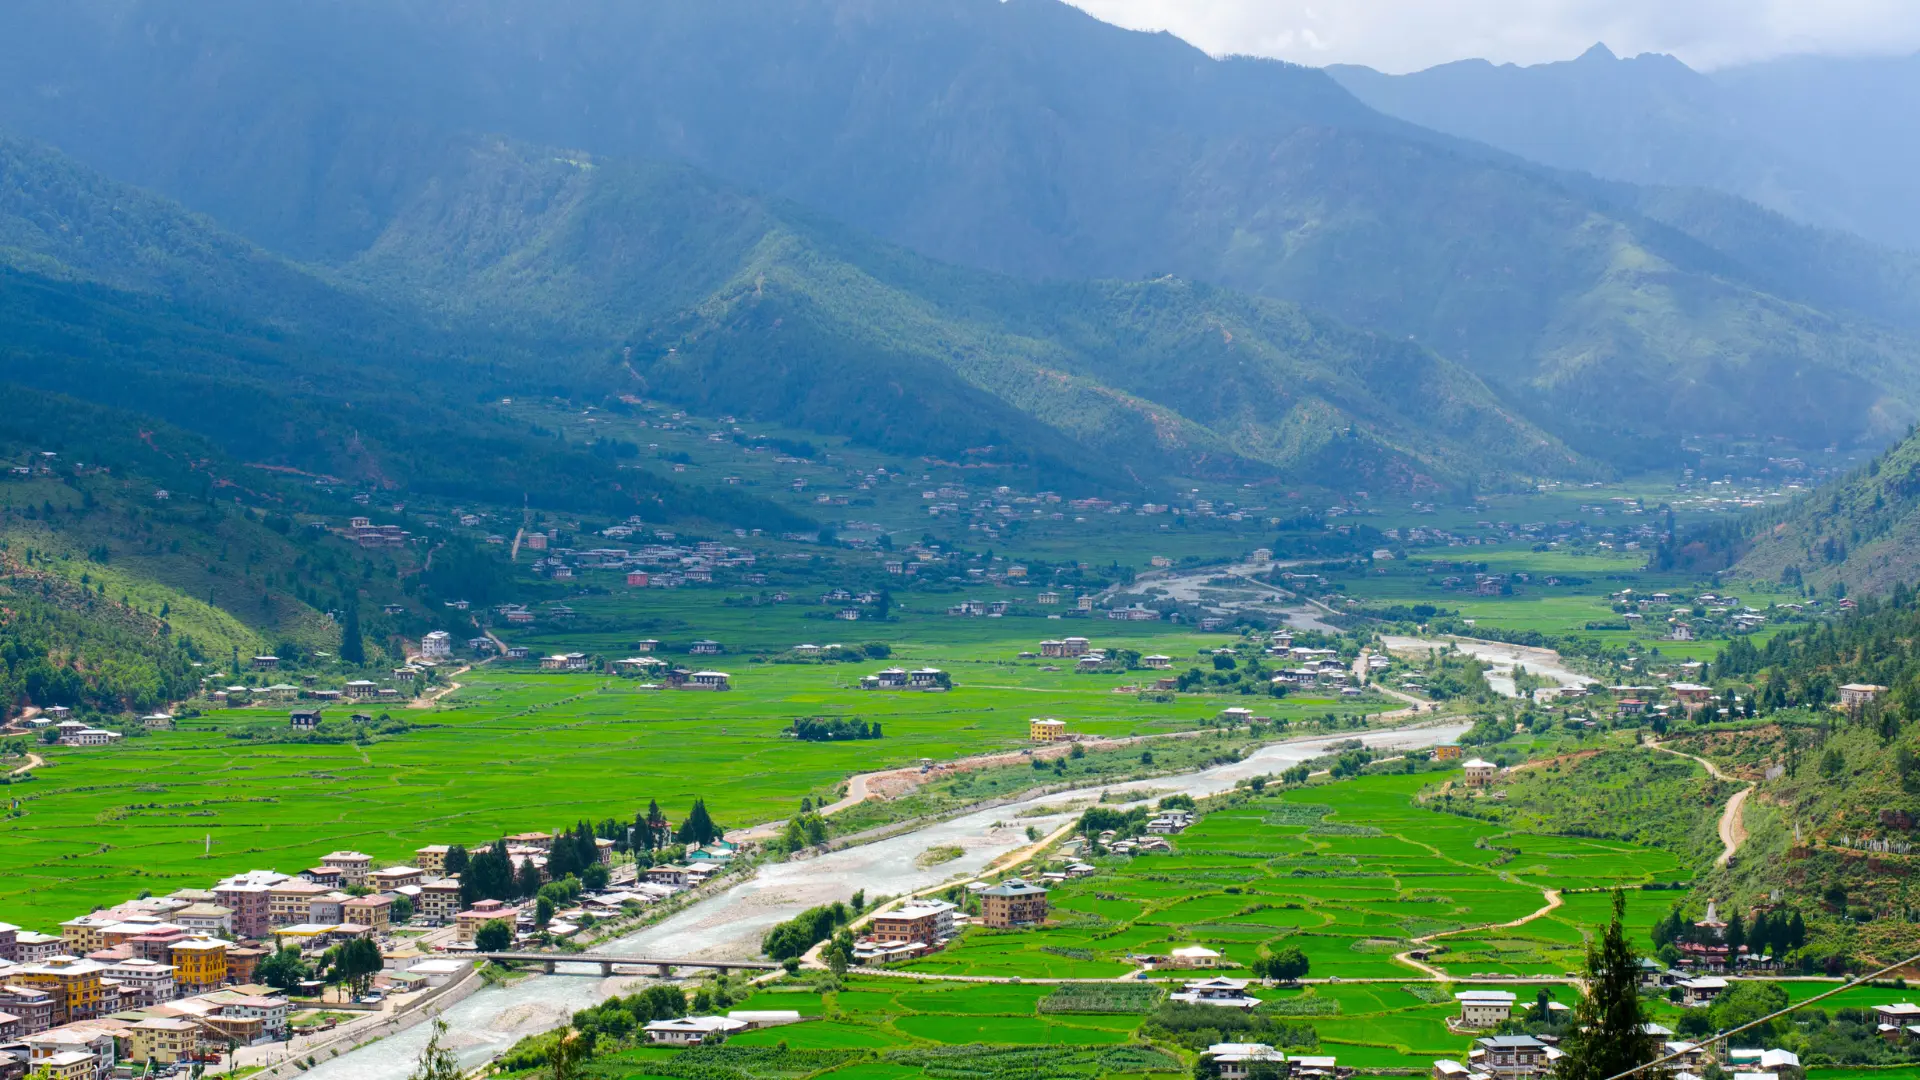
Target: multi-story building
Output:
[(291, 902), (207, 918), (163, 1041), (75, 985), (926, 923), (1046, 729), (30, 947), (1482, 1009), (269, 1008), (1510, 1057), (241, 962), (199, 965), (330, 908), (33, 1006), (353, 866), (8, 932), (140, 926), (1013, 903), (84, 934), (432, 858), (368, 911), (143, 983), (439, 901), (247, 894), (330, 876), (468, 923), (395, 877)]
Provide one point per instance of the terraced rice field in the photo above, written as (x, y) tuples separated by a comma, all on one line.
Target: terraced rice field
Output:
[(1351, 873)]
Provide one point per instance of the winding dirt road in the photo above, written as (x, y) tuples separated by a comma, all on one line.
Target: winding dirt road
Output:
[(1733, 823), (1553, 901)]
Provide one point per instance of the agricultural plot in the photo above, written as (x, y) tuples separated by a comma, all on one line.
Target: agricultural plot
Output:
[(1350, 873), (511, 751), (897, 1014)]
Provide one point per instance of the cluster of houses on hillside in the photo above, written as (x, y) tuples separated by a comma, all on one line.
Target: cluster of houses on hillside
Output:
[(659, 565)]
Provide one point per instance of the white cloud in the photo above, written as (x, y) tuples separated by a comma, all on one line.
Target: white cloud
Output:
[(1405, 35)]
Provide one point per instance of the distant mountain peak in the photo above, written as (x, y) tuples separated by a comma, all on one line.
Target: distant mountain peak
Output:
[(1599, 51)]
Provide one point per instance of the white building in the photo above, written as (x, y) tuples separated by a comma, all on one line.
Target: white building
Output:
[(436, 645), (1481, 1009), (691, 1030)]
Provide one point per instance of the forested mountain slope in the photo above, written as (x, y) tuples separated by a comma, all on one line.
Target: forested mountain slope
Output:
[(1863, 532), (1022, 137), (1837, 795), (745, 303), (119, 297)]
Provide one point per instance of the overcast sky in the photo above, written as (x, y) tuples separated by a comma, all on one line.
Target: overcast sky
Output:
[(1405, 35)]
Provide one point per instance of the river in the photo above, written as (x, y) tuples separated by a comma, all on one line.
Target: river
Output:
[(731, 924), (1504, 658)]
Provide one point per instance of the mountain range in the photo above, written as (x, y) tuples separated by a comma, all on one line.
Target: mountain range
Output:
[(1827, 141), (944, 226)]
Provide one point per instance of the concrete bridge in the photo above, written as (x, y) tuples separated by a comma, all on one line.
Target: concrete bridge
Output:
[(663, 966)]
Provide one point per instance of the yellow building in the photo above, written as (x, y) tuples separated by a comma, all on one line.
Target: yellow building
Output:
[(73, 982), (163, 1041), (198, 965), (1046, 730), (432, 858), (85, 934), (1446, 752)]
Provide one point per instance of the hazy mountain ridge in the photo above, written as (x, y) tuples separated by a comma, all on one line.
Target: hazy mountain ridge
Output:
[(1022, 137), (1817, 139), (860, 337), (119, 297)]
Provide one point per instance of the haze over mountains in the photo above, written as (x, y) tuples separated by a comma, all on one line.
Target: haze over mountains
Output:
[(948, 225), (1827, 141)]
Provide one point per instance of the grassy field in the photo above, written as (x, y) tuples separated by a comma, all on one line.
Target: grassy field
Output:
[(519, 750)]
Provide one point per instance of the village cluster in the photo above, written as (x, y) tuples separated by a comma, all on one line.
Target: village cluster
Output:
[(161, 980)]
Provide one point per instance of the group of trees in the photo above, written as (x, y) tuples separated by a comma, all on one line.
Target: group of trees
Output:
[(833, 728), (576, 853), (1285, 965), (804, 830), (492, 874), (792, 939), (1773, 933), (1805, 666), (60, 644)]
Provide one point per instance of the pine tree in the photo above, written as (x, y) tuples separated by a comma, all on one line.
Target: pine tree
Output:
[(528, 882), (656, 830), (1608, 1037), (352, 649), (698, 828)]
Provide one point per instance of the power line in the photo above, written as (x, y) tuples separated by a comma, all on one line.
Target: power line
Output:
[(1861, 981)]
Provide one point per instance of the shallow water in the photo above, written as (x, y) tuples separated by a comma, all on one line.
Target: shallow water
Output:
[(731, 924), (1545, 663)]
